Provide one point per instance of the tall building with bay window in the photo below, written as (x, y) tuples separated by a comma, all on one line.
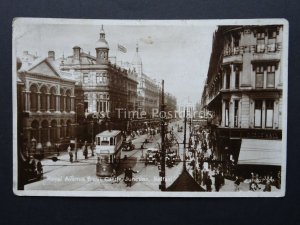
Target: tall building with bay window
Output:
[(243, 89), (107, 87)]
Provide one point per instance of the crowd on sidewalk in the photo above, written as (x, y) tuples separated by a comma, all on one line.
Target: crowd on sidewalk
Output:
[(212, 174)]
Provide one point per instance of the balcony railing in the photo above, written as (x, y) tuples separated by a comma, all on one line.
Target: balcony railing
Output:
[(259, 48)]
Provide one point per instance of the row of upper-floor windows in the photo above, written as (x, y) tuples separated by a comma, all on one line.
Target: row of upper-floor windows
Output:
[(263, 111), (265, 42), (103, 78), (264, 77)]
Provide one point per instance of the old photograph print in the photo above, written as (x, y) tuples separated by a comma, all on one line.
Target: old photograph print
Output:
[(175, 108)]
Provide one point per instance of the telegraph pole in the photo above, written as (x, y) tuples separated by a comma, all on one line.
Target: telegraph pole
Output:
[(162, 186), (184, 141)]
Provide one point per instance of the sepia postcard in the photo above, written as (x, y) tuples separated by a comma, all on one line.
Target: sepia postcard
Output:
[(150, 108)]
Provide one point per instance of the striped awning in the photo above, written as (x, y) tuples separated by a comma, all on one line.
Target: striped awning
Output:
[(260, 152)]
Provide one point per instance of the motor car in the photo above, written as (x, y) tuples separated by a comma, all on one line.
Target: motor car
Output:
[(152, 156)]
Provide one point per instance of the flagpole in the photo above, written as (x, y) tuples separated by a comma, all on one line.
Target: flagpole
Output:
[(117, 54)]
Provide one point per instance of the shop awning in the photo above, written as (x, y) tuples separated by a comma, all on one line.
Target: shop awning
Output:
[(260, 152)]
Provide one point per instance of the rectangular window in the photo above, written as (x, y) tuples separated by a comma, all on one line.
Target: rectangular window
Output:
[(260, 41), (271, 77), (269, 113), (272, 41), (98, 79), (259, 77), (226, 113), (236, 113), (258, 113), (85, 79), (237, 79), (227, 79)]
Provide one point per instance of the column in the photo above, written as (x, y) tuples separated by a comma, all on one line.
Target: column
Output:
[(276, 115), (263, 114), (39, 144), (64, 99), (72, 104), (231, 113), (58, 132), (57, 103), (232, 77), (223, 113), (48, 102), (28, 101), (39, 102), (49, 142)]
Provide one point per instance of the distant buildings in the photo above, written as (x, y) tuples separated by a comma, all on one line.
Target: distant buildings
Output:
[(244, 91), (148, 89)]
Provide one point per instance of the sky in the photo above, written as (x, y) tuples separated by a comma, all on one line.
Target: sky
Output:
[(178, 53)]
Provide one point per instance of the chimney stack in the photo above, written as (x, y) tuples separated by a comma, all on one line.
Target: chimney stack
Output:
[(76, 52), (51, 55)]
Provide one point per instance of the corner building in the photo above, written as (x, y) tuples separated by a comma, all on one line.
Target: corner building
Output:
[(106, 86), (244, 91)]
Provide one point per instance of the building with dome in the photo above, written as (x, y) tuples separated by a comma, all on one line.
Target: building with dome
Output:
[(107, 88), (148, 89)]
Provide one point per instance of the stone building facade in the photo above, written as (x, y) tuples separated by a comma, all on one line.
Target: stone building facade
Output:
[(47, 104), (243, 89)]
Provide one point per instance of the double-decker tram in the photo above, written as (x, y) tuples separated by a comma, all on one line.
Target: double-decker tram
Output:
[(108, 150)]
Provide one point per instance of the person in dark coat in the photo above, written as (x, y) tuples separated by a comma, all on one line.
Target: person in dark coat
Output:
[(237, 184), (217, 181), (128, 176), (208, 184), (39, 169), (85, 152), (268, 186)]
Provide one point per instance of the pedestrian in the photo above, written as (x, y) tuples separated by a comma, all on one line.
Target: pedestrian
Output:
[(208, 184), (114, 176), (69, 149), (217, 181), (128, 174), (71, 156), (85, 152), (39, 169), (268, 186), (237, 184)]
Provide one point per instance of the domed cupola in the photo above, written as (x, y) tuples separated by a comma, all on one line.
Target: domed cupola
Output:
[(102, 48)]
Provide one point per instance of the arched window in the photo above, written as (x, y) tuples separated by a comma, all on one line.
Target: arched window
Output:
[(53, 133), (44, 132), (68, 101), (43, 99), (68, 131), (33, 98), (34, 129), (62, 129), (53, 99)]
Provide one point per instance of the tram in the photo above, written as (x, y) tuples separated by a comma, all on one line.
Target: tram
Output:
[(108, 150)]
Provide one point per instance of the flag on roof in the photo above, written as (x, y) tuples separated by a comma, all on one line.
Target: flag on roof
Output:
[(122, 48)]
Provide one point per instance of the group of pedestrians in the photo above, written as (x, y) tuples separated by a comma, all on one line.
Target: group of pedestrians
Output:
[(85, 151)]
